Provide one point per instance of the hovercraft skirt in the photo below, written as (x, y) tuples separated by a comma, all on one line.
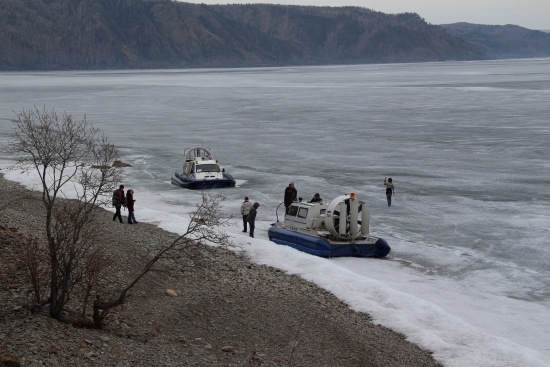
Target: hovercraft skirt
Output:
[(321, 247), (189, 183)]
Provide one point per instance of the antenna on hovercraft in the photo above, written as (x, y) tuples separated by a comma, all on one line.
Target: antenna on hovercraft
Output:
[(277, 211)]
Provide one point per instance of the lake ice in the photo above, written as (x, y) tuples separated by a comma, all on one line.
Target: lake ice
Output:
[(466, 144)]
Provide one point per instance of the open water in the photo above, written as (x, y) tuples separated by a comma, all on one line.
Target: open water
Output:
[(466, 144)]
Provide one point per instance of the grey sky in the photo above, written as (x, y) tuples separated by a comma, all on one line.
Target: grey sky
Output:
[(532, 14)]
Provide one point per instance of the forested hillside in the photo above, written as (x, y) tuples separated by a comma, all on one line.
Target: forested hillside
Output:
[(353, 34), (503, 41), (97, 34)]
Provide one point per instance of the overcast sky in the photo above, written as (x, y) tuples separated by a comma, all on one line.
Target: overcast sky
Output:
[(532, 14)]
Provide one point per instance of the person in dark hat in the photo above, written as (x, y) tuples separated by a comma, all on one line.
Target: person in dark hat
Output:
[(316, 198), (251, 219), (291, 194)]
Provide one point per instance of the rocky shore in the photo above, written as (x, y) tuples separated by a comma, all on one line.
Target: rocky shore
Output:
[(228, 312)]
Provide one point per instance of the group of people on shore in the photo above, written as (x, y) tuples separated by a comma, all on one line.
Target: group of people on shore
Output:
[(248, 210), (291, 194), (120, 200)]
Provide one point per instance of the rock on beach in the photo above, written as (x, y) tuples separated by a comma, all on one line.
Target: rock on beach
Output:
[(171, 293)]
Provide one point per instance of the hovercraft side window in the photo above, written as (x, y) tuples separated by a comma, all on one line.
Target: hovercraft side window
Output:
[(292, 211), (208, 168), (302, 213)]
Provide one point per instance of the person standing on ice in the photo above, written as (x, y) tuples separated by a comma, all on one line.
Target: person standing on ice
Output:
[(389, 189), (251, 219), (290, 195), (245, 209)]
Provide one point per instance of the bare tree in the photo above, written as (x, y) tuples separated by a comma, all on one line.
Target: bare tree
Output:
[(71, 156), (68, 156)]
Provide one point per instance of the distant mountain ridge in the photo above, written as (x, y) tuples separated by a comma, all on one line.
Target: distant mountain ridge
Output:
[(99, 34), (503, 41), (352, 34)]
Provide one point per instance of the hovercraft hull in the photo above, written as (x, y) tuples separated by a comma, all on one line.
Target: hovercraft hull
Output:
[(321, 247), (193, 184)]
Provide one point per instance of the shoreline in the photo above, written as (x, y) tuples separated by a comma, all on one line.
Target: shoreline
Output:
[(224, 300)]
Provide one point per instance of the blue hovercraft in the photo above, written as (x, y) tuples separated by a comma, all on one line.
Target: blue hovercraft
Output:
[(202, 171), (338, 228)]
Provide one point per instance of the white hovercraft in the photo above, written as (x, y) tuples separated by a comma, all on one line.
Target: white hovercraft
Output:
[(201, 171), (338, 228)]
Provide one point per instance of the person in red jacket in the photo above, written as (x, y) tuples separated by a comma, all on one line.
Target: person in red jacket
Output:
[(130, 204), (118, 201)]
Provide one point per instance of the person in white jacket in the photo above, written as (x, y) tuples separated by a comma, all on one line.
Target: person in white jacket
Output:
[(245, 209)]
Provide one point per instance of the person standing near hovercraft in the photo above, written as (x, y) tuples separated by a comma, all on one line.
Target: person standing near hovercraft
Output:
[(251, 219), (245, 209), (290, 195)]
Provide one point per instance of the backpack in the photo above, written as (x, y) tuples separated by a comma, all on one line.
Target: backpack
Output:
[(116, 198)]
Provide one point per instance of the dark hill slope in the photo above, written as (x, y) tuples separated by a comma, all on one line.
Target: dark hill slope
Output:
[(353, 34), (86, 34), (65, 34), (503, 42)]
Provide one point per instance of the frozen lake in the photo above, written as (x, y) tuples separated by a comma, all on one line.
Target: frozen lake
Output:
[(466, 144)]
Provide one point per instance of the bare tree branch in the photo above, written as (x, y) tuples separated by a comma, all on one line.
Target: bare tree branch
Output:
[(205, 226), (63, 150)]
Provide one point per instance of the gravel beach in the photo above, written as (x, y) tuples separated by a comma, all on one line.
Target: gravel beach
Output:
[(229, 311)]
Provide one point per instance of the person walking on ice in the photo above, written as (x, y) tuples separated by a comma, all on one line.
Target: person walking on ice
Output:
[(389, 189), (245, 209)]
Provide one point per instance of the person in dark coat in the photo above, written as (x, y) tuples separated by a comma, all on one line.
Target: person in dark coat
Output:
[(118, 201), (316, 199), (290, 195), (251, 219), (130, 204)]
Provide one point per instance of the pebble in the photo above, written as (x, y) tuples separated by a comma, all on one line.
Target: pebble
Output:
[(171, 293), (49, 349)]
